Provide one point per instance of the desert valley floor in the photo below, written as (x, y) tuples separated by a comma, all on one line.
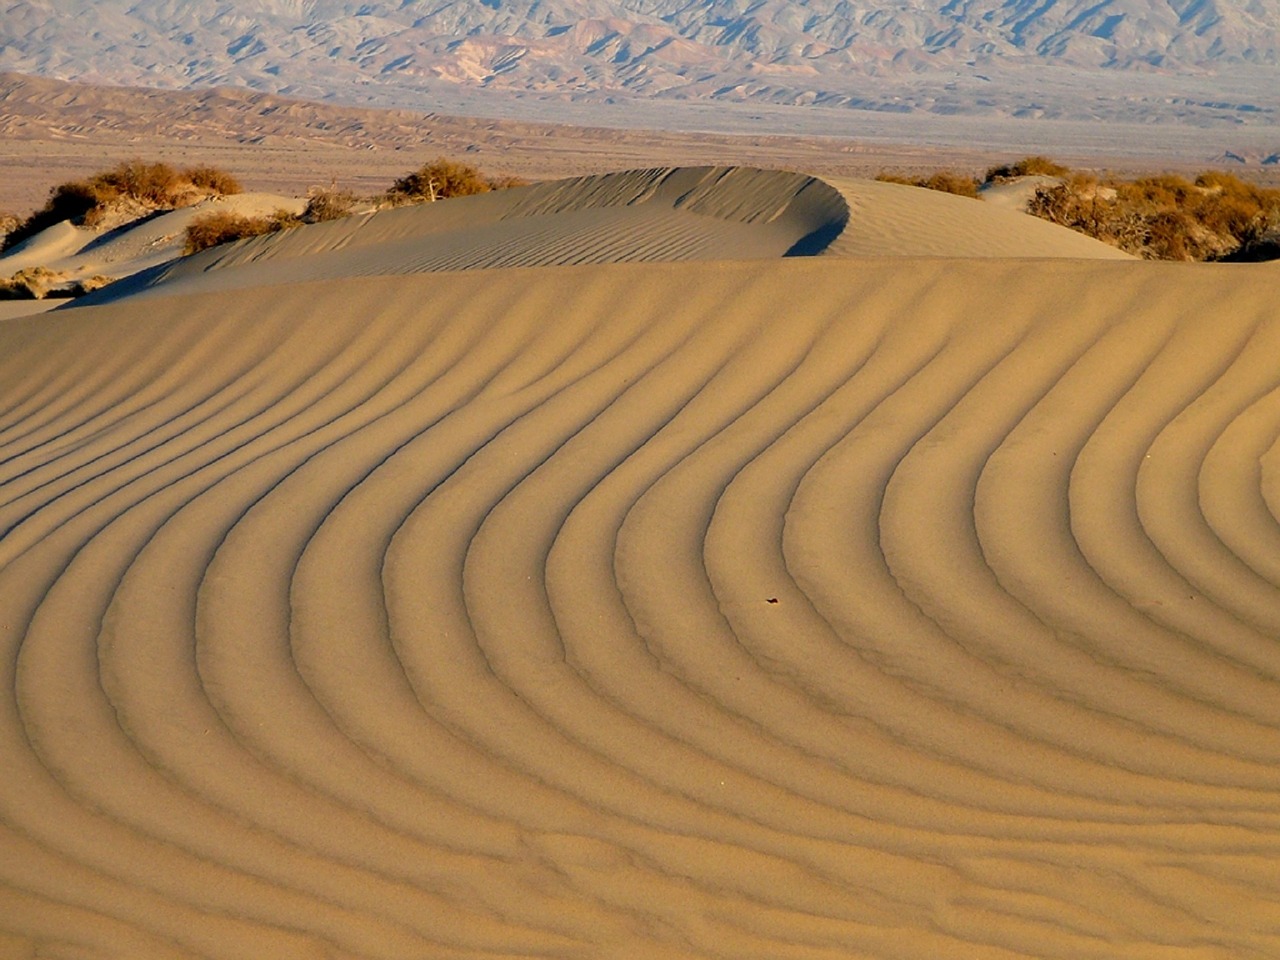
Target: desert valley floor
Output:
[(688, 563)]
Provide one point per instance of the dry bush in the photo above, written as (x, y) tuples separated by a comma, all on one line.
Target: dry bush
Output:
[(507, 182), (212, 180), (1026, 167), (8, 223), (15, 289), (223, 226), (944, 181), (328, 204), (150, 186), (67, 201), (956, 183), (88, 285), (151, 183), (442, 179), (30, 284), (1165, 217)]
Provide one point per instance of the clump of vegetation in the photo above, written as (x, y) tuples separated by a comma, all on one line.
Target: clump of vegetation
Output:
[(8, 223), (151, 186), (324, 204), (223, 226), (1218, 216), (213, 180), (30, 284), (441, 179), (1026, 167), (945, 181), (37, 283), (437, 180), (89, 284)]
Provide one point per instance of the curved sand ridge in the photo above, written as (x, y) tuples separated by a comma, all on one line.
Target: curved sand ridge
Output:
[(793, 608), (661, 214)]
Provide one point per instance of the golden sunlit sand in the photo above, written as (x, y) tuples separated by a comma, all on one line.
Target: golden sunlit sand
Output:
[(567, 572)]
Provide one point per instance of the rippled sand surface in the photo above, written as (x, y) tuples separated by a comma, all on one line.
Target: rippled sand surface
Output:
[(841, 606)]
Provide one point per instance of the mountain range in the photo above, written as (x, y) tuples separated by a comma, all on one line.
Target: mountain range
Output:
[(1197, 61)]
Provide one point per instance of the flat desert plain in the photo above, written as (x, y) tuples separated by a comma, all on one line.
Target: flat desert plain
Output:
[(687, 563)]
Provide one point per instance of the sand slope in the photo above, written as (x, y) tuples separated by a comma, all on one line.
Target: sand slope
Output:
[(80, 252), (660, 214), (788, 608)]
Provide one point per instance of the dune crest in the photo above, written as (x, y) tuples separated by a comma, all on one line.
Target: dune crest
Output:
[(655, 215), (789, 607)]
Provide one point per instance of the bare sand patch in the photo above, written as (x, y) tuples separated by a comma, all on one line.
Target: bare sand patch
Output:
[(839, 606)]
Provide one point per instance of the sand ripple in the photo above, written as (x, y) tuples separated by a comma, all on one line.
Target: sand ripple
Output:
[(895, 609)]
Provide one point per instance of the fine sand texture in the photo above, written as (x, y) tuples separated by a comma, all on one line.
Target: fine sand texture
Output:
[(783, 608)]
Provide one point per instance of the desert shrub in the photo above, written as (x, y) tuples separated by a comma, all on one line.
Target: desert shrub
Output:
[(8, 223), (1164, 217), (88, 285), (1026, 167), (14, 289), (223, 226), (1083, 204), (150, 185), (67, 201), (507, 182), (30, 284), (441, 179), (956, 183), (944, 180), (212, 180), (1160, 192), (328, 204), (1217, 216)]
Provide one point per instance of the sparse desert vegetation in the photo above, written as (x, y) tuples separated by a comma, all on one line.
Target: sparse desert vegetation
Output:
[(28, 284), (223, 226), (1216, 216), (132, 188), (136, 188), (328, 203), (946, 181), (443, 178), (1036, 166), (437, 180), (36, 283)]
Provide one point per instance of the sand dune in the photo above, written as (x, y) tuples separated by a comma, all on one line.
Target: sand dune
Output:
[(661, 214), (903, 607), (79, 252)]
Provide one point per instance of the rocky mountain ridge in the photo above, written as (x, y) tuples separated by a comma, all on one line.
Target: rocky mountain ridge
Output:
[(1061, 58)]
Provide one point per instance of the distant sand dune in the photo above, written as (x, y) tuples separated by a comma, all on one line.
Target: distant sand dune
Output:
[(786, 607), (663, 214)]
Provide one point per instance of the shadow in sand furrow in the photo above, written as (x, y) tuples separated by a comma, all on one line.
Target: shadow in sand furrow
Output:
[(193, 746), (58, 927), (695, 610), (249, 660), (927, 527), (264, 869), (106, 384), (1231, 487), (1188, 642), (941, 665), (206, 415), (1024, 524), (1172, 484)]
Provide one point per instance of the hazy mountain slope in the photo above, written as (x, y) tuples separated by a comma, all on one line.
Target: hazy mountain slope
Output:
[(778, 51)]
